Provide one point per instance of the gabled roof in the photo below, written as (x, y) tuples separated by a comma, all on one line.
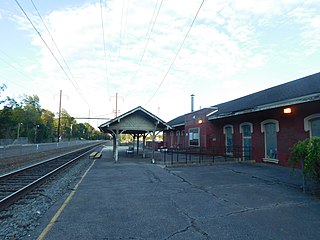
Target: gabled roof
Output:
[(298, 91), (302, 90), (137, 120)]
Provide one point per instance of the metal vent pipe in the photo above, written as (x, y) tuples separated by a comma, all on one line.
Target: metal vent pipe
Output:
[(192, 102)]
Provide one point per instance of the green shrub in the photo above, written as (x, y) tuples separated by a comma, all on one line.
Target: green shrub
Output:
[(307, 151)]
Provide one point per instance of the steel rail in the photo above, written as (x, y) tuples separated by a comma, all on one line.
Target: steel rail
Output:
[(16, 195)]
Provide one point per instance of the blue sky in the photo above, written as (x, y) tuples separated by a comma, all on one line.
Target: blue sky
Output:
[(234, 48)]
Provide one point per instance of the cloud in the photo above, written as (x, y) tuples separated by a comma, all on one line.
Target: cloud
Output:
[(227, 39)]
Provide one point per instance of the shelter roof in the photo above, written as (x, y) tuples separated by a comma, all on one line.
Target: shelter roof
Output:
[(135, 121)]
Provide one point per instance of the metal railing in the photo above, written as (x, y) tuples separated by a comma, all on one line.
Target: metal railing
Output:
[(193, 155)]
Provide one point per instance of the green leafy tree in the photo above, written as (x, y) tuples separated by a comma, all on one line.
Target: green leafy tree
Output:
[(47, 119), (307, 151), (32, 114)]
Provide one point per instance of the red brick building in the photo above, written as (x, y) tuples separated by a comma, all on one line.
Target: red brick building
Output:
[(263, 125)]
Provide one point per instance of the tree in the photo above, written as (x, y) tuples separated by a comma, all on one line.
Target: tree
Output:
[(26, 118), (32, 112), (307, 151), (47, 119)]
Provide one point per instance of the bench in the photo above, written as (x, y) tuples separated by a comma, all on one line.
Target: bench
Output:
[(93, 154), (130, 151)]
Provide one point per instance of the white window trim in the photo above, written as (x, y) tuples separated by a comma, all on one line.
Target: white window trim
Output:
[(226, 126), (246, 137), (244, 124), (265, 159), (199, 139), (307, 122), (269, 121), (225, 133)]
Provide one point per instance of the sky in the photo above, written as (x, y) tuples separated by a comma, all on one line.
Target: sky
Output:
[(153, 53)]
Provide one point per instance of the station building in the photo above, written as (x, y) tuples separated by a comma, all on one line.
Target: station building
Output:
[(262, 126)]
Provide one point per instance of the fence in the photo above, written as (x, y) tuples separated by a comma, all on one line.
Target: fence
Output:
[(18, 150), (192, 155)]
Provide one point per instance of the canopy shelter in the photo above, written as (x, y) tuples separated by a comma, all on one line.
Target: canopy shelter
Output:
[(138, 122)]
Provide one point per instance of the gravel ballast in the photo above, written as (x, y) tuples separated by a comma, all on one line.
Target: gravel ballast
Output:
[(20, 219)]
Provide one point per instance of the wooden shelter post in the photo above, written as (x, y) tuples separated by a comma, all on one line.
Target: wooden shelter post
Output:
[(116, 150), (144, 146), (138, 136)]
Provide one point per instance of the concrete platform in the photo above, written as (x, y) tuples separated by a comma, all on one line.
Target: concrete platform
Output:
[(135, 199)]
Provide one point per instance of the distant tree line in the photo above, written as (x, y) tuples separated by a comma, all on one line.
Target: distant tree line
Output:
[(27, 119)]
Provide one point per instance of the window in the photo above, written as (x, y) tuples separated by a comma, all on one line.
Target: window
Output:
[(315, 127), (228, 131), (194, 137), (270, 128), (171, 138), (183, 138), (246, 130), (178, 138), (312, 124)]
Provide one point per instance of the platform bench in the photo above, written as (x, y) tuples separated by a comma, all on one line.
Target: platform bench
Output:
[(93, 154)]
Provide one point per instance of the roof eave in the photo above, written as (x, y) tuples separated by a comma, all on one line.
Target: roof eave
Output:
[(305, 99)]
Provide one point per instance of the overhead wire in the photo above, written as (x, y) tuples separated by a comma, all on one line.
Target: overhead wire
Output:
[(66, 64), (45, 43), (177, 53), (147, 37), (120, 34), (18, 71), (104, 47)]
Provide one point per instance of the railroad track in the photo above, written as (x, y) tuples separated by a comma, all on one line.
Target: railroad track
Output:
[(15, 185)]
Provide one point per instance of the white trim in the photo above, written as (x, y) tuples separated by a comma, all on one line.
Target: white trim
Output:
[(246, 123), (226, 126), (307, 121), (269, 121), (271, 160)]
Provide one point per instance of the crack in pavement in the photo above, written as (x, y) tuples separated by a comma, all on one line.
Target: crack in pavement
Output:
[(268, 207), (192, 224)]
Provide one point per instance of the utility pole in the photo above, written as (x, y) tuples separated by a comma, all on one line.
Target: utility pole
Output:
[(59, 122), (116, 111)]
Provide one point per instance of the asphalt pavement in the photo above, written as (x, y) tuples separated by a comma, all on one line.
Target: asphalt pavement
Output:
[(135, 199)]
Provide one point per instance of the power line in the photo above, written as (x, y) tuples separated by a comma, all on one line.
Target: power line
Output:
[(148, 36), (175, 57), (45, 43), (18, 71), (104, 48), (120, 37), (54, 42)]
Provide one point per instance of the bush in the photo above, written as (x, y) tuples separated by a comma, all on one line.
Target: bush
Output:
[(307, 151)]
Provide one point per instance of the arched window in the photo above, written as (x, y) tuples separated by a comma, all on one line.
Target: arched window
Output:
[(228, 131), (171, 138), (246, 129), (178, 138), (312, 124), (270, 128), (183, 138)]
